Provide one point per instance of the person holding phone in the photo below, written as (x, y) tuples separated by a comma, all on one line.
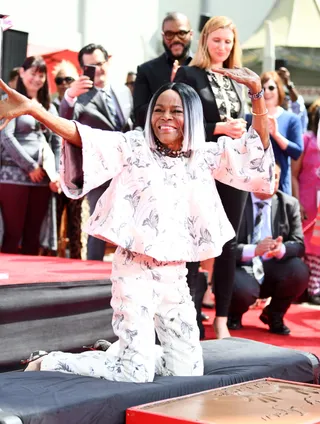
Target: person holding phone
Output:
[(93, 100)]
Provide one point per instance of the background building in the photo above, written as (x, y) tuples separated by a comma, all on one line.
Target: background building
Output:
[(130, 30)]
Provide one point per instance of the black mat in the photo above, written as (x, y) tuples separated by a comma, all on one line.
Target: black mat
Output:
[(57, 398)]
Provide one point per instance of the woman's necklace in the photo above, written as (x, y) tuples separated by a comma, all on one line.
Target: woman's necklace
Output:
[(166, 151)]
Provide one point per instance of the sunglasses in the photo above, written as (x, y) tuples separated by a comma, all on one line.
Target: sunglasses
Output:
[(270, 87), (169, 35), (60, 80), (130, 83)]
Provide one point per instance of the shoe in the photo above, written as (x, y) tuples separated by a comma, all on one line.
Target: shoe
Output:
[(33, 357), (314, 299), (275, 322), (100, 344), (204, 317), (208, 306), (234, 322)]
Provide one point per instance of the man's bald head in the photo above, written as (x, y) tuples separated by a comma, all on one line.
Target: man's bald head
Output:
[(176, 16)]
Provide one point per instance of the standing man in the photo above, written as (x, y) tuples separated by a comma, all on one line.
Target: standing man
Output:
[(151, 75), (100, 105)]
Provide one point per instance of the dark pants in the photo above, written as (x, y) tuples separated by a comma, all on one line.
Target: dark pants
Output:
[(284, 281), (96, 247), (23, 209), (198, 284), (233, 201), (73, 210)]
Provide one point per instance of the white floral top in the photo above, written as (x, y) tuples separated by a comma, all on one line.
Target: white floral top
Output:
[(167, 208)]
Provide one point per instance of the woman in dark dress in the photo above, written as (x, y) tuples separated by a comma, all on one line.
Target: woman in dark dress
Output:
[(224, 110)]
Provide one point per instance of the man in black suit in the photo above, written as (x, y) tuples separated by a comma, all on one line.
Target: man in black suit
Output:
[(151, 75), (271, 267), (99, 105)]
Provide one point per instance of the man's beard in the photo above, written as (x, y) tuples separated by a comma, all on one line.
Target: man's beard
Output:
[(181, 56)]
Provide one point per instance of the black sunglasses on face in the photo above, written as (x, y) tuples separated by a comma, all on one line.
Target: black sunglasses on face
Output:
[(169, 35), (60, 80), (270, 87)]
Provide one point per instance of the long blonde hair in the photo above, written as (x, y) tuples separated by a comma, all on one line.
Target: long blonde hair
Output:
[(202, 58)]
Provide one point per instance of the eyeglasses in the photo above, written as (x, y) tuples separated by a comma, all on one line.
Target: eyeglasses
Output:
[(60, 80), (98, 64), (131, 83), (169, 35), (270, 87)]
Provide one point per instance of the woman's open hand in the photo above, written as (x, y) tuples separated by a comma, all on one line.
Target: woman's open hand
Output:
[(243, 76), (14, 105)]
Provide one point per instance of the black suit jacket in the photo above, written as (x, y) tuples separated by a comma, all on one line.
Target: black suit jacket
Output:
[(151, 76), (285, 222), (197, 79), (90, 109)]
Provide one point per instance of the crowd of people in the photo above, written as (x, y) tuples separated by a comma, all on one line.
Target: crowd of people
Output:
[(176, 167)]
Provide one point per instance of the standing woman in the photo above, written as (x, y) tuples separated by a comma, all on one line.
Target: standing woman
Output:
[(24, 153), (306, 188), (223, 109), (285, 128)]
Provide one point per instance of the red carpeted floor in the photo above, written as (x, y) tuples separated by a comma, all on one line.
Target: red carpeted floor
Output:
[(21, 269), (303, 321)]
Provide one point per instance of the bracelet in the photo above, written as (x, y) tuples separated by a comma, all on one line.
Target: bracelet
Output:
[(260, 114), (256, 96)]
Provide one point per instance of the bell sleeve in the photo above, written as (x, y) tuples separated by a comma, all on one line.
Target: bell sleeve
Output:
[(242, 163), (103, 156)]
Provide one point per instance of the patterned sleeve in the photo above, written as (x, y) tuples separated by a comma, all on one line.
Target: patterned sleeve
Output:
[(242, 163), (103, 156)]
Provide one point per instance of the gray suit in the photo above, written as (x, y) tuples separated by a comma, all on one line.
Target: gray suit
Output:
[(91, 109)]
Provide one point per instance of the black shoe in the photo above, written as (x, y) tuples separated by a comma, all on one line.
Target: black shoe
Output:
[(275, 322), (204, 317), (207, 306), (314, 300), (234, 322)]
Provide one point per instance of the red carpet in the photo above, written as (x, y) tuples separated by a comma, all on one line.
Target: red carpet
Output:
[(303, 322), (22, 269)]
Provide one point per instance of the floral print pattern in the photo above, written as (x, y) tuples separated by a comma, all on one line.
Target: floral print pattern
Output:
[(146, 294), (167, 208)]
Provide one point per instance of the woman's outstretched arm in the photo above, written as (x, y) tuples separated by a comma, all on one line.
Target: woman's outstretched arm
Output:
[(16, 105)]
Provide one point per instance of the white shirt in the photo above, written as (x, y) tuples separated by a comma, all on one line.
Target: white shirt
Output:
[(163, 207), (249, 249)]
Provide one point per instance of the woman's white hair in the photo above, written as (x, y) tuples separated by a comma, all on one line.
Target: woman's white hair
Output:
[(193, 131)]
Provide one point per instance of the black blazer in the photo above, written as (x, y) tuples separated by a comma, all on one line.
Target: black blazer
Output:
[(285, 222), (197, 79), (151, 76), (90, 109)]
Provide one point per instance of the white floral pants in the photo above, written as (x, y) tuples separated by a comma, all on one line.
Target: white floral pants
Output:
[(146, 295)]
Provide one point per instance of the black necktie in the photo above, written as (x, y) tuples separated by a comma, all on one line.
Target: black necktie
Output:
[(257, 265)]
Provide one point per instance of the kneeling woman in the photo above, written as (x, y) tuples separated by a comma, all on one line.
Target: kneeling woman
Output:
[(158, 210)]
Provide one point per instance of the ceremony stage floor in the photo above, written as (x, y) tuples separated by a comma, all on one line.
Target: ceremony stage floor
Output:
[(21, 269), (52, 304), (60, 304), (39, 295)]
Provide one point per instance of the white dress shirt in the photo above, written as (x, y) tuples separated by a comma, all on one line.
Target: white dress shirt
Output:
[(249, 249)]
